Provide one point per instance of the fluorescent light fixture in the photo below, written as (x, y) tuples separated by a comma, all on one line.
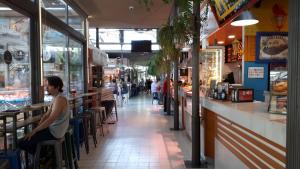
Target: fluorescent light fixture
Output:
[(55, 9), (244, 19), (220, 42), (231, 36), (5, 9)]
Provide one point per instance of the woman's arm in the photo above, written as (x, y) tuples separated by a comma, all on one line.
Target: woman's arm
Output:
[(46, 115), (58, 106)]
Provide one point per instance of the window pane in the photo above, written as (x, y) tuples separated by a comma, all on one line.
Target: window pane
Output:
[(92, 36), (75, 20), (109, 36), (57, 8), (55, 60), (130, 35), (76, 66), (15, 69)]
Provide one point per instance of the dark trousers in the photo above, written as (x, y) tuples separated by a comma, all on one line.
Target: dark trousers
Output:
[(30, 145), (109, 105)]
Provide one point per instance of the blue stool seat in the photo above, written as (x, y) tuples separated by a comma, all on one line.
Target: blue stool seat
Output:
[(77, 133), (13, 156)]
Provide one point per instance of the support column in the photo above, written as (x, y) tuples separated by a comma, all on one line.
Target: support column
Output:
[(97, 38), (196, 148), (85, 55), (293, 115), (176, 108), (37, 89)]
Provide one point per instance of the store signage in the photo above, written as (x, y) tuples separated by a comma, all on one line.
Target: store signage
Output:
[(225, 9), (255, 72)]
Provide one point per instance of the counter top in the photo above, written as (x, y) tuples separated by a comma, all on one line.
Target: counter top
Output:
[(252, 115)]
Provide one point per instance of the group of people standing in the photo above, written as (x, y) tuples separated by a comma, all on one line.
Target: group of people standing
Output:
[(158, 89)]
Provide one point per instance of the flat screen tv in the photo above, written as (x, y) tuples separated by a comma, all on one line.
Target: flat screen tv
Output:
[(141, 46)]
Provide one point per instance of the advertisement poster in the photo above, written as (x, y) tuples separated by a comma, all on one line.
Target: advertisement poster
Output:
[(271, 46)]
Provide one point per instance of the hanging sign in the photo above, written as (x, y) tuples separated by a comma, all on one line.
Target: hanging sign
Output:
[(224, 10)]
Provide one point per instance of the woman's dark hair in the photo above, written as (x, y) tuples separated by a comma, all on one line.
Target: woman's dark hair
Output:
[(114, 80), (56, 82)]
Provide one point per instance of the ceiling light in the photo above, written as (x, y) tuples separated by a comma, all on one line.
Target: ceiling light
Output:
[(55, 8), (90, 16), (231, 36), (220, 42), (4, 9), (244, 19), (131, 8)]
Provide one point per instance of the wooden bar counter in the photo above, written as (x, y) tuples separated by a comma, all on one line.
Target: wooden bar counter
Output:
[(237, 135)]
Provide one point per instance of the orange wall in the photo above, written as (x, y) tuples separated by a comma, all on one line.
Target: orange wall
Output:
[(266, 23)]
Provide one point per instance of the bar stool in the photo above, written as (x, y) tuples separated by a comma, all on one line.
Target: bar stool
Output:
[(58, 149), (71, 149), (100, 121), (77, 126), (88, 117), (13, 156)]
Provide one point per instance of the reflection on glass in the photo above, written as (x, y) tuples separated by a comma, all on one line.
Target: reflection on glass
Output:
[(92, 36), (57, 8), (55, 60), (76, 67), (15, 68), (75, 20), (130, 35)]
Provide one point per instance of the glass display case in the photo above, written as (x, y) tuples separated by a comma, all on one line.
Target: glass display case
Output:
[(211, 68), (15, 66), (278, 88)]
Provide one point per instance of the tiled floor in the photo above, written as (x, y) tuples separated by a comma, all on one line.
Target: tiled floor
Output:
[(140, 140)]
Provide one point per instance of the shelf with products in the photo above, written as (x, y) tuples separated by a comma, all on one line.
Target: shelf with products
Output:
[(211, 69), (96, 75), (278, 90)]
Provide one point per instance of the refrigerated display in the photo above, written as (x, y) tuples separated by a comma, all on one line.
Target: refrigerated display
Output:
[(278, 88), (211, 68)]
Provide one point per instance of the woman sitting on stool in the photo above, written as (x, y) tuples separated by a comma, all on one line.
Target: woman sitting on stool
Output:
[(53, 124)]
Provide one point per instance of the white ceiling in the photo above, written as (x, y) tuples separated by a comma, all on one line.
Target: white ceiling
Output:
[(116, 13)]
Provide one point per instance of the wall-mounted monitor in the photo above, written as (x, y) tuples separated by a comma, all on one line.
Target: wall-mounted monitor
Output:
[(141, 46)]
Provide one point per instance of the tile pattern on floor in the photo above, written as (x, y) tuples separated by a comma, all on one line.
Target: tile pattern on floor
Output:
[(140, 140)]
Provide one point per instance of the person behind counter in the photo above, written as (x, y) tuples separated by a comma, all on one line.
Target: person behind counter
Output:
[(54, 123)]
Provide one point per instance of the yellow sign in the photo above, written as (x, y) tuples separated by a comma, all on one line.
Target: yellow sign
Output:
[(224, 8)]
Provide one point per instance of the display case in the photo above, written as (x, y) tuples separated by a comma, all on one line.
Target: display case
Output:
[(278, 88), (211, 68)]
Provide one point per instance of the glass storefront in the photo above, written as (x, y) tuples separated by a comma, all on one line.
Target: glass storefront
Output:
[(15, 59), (76, 66), (75, 20), (57, 8), (55, 56)]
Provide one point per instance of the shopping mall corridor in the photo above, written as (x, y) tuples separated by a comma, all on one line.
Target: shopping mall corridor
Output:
[(140, 140)]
